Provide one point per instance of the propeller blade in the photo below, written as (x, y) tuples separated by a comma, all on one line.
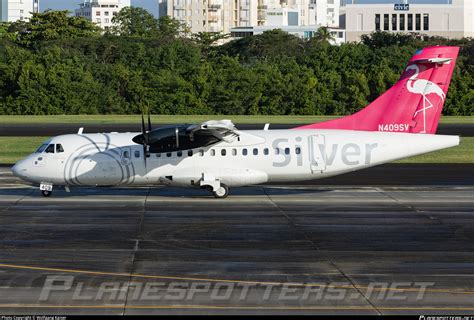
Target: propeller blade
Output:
[(143, 125), (145, 141), (149, 121), (144, 155)]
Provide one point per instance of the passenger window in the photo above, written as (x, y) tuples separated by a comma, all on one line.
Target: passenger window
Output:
[(190, 153), (201, 153), (277, 151), (179, 153), (298, 150), (50, 149), (244, 152), (255, 151), (59, 148), (223, 152), (137, 154), (168, 154), (287, 150), (265, 151), (234, 152), (213, 152)]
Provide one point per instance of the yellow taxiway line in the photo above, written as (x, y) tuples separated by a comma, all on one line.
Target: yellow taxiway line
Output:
[(294, 284)]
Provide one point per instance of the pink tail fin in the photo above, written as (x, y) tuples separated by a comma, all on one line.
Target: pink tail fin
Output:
[(413, 104)]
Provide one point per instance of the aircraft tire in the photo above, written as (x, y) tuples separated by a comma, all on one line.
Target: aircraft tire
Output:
[(46, 193), (222, 192)]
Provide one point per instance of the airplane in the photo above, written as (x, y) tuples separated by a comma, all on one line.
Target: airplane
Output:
[(215, 155)]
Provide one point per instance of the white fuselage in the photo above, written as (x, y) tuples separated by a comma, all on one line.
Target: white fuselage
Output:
[(256, 157)]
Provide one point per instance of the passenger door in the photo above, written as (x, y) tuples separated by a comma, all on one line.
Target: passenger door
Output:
[(317, 152)]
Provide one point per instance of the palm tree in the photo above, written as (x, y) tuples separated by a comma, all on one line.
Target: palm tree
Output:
[(323, 34)]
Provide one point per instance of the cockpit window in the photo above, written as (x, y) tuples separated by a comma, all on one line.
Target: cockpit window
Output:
[(59, 148), (41, 148), (50, 149)]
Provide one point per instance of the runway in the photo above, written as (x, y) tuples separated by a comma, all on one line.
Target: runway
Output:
[(265, 250)]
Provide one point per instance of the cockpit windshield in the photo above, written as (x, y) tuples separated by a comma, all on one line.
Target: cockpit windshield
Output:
[(41, 148), (50, 148)]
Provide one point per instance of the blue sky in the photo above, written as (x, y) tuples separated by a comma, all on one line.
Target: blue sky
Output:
[(152, 5)]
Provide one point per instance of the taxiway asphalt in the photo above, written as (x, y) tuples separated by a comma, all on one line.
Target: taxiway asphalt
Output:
[(266, 250)]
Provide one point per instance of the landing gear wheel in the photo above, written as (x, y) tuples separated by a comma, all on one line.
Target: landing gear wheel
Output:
[(222, 192), (46, 193)]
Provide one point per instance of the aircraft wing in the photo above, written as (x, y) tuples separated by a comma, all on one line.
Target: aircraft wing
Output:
[(223, 130)]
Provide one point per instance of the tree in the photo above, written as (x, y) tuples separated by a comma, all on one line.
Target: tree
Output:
[(323, 34), (207, 39), (4, 26), (171, 28), (135, 22), (269, 44), (52, 25), (63, 72), (380, 39)]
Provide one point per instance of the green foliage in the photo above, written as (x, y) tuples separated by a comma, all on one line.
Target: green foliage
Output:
[(323, 34), (171, 28), (134, 22), (51, 25), (4, 26), (380, 39), (57, 64)]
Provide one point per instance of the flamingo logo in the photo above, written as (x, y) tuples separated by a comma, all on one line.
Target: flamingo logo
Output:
[(425, 88)]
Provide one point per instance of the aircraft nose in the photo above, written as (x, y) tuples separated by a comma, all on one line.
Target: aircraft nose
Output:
[(19, 169), (15, 170)]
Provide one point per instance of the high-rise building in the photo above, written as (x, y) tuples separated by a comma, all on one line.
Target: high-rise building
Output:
[(202, 15), (311, 12), (451, 19), (101, 12), (14, 10), (222, 15)]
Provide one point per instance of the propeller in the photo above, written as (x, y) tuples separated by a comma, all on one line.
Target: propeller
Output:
[(143, 138), (144, 141), (149, 121)]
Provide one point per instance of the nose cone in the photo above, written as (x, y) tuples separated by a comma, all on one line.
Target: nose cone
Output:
[(19, 169), (15, 171)]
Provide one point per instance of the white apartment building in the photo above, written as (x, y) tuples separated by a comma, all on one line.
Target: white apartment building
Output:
[(101, 11), (14, 10), (222, 15), (310, 12), (208, 15), (453, 19), (326, 12)]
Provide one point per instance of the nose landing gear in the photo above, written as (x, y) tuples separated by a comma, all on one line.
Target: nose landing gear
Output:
[(46, 193), (46, 189)]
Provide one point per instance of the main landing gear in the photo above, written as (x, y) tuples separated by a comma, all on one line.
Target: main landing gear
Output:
[(218, 189), (221, 192)]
